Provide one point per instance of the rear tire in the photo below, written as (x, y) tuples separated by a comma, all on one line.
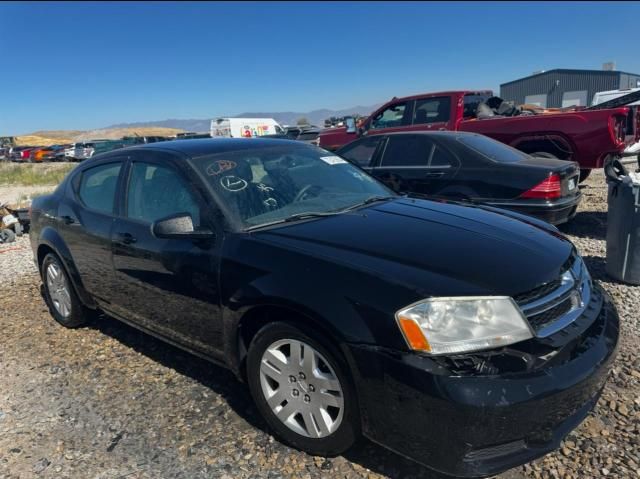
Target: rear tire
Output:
[(61, 298), (310, 405)]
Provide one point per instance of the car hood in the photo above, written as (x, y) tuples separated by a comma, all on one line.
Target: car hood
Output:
[(465, 249)]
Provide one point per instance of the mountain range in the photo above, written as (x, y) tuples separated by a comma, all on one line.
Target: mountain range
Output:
[(315, 117)]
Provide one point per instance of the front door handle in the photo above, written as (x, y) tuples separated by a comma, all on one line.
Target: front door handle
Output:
[(434, 174), (126, 238)]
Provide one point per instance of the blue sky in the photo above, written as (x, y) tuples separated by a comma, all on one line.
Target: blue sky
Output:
[(90, 65)]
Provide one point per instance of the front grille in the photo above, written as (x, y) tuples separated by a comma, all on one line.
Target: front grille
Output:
[(540, 320), (545, 289), (537, 293), (553, 305)]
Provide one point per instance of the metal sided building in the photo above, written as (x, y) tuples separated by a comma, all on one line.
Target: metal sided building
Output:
[(561, 87)]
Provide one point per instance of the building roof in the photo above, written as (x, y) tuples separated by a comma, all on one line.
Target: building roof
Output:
[(568, 70)]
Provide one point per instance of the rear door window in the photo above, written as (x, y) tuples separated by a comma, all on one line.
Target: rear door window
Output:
[(97, 188), (432, 110), (407, 151), (361, 152), (441, 158), (471, 102)]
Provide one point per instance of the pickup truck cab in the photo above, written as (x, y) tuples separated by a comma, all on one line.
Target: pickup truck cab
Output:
[(589, 137)]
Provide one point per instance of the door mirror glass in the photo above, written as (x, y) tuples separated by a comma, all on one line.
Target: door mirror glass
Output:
[(178, 226), (351, 125)]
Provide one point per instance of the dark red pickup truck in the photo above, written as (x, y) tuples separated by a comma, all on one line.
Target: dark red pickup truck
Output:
[(586, 136)]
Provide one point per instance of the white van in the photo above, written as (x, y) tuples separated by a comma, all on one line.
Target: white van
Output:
[(244, 127), (602, 96)]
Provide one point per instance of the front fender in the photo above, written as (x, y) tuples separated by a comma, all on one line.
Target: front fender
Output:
[(51, 239)]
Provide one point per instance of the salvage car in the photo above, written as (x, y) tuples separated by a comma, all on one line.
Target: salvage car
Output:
[(471, 167), (347, 309)]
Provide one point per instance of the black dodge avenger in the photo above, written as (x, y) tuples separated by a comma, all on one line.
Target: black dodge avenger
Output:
[(468, 338)]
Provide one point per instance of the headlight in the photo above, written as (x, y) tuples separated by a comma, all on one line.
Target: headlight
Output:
[(461, 325)]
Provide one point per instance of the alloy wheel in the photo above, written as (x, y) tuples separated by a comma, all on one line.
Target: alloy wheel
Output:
[(58, 288), (301, 388)]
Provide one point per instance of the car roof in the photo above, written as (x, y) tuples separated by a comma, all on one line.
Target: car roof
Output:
[(440, 93), (210, 146)]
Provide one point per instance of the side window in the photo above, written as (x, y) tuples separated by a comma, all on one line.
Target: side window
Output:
[(389, 117), (156, 192), (441, 158), (361, 152), (407, 150), (432, 110), (97, 188)]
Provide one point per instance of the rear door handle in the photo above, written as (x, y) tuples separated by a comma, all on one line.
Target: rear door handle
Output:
[(126, 238), (434, 174)]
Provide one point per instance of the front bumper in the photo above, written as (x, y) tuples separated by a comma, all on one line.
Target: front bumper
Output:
[(555, 212), (474, 425)]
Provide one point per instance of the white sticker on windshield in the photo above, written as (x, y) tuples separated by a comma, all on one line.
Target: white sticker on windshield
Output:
[(332, 160)]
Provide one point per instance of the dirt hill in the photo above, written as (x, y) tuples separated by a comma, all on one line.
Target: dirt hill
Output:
[(56, 137)]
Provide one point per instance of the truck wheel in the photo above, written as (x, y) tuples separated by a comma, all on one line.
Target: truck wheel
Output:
[(7, 236), (584, 174)]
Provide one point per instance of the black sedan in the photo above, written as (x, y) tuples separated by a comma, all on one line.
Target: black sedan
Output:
[(346, 308), (468, 166)]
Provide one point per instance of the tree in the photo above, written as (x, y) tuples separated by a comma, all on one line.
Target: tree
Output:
[(302, 121)]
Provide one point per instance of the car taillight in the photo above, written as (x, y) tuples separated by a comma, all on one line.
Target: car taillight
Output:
[(617, 127), (548, 189)]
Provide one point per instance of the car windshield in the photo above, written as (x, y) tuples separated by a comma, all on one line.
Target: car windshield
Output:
[(279, 183), (492, 149)]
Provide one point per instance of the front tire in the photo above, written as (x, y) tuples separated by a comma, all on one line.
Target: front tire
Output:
[(63, 303), (302, 389)]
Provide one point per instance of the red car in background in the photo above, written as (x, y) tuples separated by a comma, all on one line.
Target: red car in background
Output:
[(21, 153)]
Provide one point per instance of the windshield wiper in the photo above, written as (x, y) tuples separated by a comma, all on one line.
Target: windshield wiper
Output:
[(318, 214), (312, 214), (295, 217), (373, 199)]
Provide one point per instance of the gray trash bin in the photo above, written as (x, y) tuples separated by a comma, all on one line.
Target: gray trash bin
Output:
[(623, 224)]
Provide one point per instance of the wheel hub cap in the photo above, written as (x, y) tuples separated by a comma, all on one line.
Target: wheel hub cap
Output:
[(301, 388), (58, 290)]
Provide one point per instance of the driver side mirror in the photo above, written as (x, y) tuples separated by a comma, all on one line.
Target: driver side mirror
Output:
[(179, 226), (351, 125)]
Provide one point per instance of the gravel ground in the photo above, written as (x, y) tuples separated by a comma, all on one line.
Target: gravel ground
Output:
[(107, 401)]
